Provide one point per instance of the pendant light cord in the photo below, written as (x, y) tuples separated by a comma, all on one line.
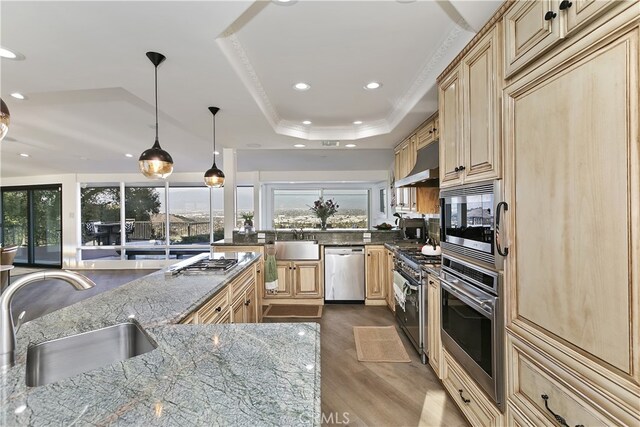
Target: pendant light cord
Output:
[(214, 139), (156, 88)]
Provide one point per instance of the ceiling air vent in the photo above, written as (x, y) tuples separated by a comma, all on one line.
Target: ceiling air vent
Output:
[(330, 143)]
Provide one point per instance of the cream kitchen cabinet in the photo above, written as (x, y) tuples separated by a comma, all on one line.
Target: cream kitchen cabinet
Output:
[(473, 403), (470, 99), (298, 279), (534, 27), (571, 146), (244, 308), (376, 274), (390, 294), (433, 334)]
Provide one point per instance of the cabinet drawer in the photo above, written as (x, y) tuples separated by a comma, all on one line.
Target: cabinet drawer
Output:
[(214, 308), (531, 380), (468, 396), (240, 284)]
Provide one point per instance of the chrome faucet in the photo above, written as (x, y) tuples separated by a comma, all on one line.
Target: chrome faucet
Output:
[(7, 331)]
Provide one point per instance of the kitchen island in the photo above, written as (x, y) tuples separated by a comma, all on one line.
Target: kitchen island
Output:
[(239, 374)]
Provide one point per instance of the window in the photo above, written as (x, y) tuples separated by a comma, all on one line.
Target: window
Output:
[(99, 211), (354, 208), (244, 197), (189, 209), (145, 215), (291, 208)]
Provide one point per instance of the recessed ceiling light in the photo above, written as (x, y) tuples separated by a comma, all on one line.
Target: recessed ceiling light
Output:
[(357, 122), (299, 145), (18, 95), (284, 2), (350, 145), (306, 122), (128, 155), (24, 155), (302, 86), (372, 85), (10, 54)]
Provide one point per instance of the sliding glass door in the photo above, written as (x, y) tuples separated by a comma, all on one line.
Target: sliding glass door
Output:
[(32, 220)]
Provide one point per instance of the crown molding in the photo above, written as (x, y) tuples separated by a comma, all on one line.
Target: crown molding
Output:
[(425, 80)]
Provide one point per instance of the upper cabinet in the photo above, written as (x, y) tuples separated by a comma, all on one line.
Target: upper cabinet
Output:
[(469, 98), (533, 27)]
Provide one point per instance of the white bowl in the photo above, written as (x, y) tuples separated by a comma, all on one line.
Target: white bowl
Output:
[(429, 251)]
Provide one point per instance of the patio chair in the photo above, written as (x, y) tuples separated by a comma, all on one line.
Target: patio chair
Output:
[(7, 256)]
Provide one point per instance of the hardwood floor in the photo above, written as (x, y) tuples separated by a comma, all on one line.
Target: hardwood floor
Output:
[(376, 394), (40, 298)]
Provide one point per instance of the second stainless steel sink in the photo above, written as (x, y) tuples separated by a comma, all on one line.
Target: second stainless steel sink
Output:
[(55, 360), (297, 250)]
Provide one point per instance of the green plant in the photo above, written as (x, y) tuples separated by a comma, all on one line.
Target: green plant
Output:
[(247, 216)]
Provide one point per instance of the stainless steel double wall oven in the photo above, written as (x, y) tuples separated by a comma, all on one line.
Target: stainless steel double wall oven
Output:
[(472, 328)]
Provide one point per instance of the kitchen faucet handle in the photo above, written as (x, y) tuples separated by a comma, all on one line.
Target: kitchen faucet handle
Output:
[(19, 322)]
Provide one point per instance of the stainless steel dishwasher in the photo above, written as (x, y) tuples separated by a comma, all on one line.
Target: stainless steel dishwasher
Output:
[(344, 273)]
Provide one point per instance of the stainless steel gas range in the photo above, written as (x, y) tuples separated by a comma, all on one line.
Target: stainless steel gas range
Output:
[(409, 285)]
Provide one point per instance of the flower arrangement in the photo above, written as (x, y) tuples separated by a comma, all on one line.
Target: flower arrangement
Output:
[(323, 210)]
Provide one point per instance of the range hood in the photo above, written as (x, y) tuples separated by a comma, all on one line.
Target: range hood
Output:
[(425, 173)]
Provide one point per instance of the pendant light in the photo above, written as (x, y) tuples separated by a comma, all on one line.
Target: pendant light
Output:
[(4, 119), (156, 163), (214, 177)]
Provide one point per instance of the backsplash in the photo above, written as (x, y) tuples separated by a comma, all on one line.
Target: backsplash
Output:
[(323, 237), (433, 225)]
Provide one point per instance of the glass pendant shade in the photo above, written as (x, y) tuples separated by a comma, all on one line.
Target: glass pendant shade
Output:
[(214, 177), (155, 163), (4, 119)]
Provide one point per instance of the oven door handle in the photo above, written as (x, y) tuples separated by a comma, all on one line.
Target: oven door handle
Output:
[(482, 305)]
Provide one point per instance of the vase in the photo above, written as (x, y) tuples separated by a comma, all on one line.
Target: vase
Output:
[(323, 224)]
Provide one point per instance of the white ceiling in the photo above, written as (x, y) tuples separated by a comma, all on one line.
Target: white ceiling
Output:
[(90, 86)]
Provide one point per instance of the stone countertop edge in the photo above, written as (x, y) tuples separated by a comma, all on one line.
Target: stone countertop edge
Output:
[(277, 365)]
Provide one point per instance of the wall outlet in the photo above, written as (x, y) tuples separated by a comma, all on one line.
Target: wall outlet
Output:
[(366, 235), (261, 235)]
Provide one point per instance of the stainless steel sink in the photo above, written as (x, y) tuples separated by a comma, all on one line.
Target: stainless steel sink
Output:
[(55, 360), (297, 250)]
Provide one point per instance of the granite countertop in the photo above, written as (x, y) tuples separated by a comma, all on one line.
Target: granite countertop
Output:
[(244, 374)]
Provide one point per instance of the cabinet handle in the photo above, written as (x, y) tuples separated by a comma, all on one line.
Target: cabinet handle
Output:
[(461, 168), (462, 397), (431, 131), (247, 302), (550, 15), (295, 268), (457, 169), (565, 4), (219, 309), (558, 418), (434, 129), (505, 251)]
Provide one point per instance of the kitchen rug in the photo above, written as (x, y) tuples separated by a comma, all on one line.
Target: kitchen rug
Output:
[(297, 311), (379, 344)]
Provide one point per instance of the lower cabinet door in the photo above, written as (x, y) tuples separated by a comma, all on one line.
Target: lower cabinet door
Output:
[(250, 305), (307, 279), (238, 311), (225, 318)]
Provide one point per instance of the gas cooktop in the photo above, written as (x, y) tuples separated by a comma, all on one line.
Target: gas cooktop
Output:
[(416, 255), (204, 264)]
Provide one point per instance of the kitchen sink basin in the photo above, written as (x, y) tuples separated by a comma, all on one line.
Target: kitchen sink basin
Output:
[(55, 360), (297, 250)]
